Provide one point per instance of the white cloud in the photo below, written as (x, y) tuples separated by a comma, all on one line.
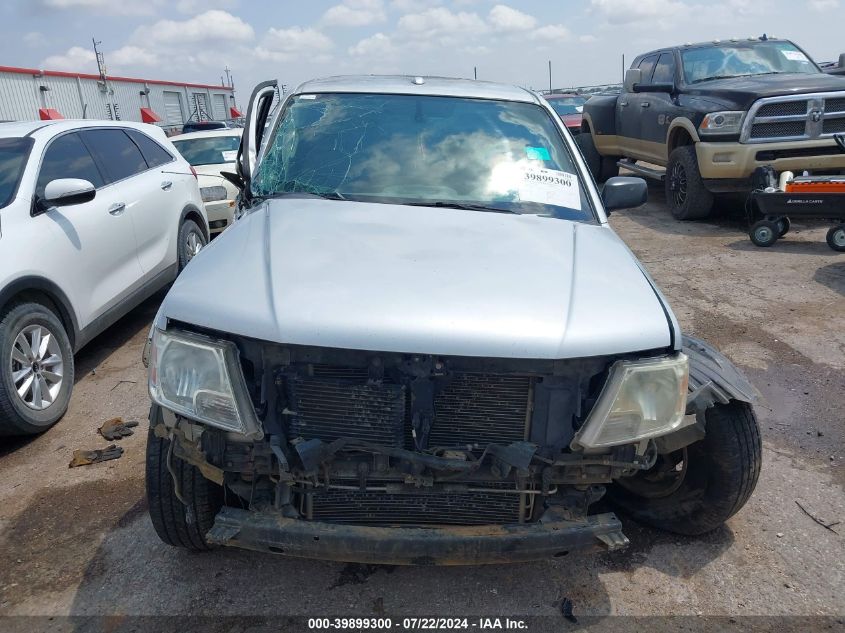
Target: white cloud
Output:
[(377, 45), (630, 11), (75, 58), (824, 5), (286, 44), (413, 6), (355, 13), (504, 18), (214, 26), (556, 32), (587, 38), (132, 56), (440, 21), (110, 7)]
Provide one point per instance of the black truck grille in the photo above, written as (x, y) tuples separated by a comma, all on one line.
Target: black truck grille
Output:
[(778, 130), (415, 508), (472, 409), (788, 108)]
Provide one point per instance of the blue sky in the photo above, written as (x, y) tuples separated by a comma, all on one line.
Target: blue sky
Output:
[(512, 41)]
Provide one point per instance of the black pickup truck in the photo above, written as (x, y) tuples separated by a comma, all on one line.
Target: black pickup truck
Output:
[(703, 117)]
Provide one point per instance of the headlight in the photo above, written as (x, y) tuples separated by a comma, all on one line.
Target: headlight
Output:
[(210, 194), (641, 399), (721, 123), (202, 380)]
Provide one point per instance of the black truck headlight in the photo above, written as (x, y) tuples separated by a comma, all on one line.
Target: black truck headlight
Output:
[(640, 400), (201, 379), (721, 123)]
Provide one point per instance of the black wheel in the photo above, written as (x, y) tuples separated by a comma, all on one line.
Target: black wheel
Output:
[(686, 195), (698, 488), (764, 233), (181, 525), (590, 153), (36, 375), (191, 242), (836, 238), (784, 225)]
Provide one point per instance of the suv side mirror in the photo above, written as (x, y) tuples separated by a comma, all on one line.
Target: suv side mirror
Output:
[(633, 76), (624, 192), (64, 192)]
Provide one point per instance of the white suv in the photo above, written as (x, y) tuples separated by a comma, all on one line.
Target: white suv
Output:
[(95, 217)]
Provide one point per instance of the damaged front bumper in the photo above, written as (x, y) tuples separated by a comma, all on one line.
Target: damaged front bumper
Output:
[(551, 536)]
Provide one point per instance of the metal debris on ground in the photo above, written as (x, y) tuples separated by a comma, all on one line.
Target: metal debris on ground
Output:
[(826, 526), (85, 458), (116, 429)]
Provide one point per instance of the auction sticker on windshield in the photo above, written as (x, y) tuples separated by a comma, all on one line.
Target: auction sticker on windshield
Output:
[(549, 186)]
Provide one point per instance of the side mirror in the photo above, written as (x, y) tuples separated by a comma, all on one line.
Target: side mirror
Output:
[(633, 76), (64, 192), (667, 87), (624, 192), (256, 121)]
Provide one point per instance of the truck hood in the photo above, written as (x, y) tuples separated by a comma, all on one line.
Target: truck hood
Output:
[(395, 278), (741, 92)]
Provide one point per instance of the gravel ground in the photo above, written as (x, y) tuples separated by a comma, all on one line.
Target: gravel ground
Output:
[(79, 541)]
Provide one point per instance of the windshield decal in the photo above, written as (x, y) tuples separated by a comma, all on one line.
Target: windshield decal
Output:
[(795, 56), (549, 186), (537, 153), (229, 156)]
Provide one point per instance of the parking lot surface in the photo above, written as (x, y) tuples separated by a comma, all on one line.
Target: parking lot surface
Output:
[(79, 541)]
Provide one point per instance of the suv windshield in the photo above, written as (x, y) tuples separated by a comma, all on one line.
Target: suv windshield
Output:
[(13, 155), (210, 150), (743, 59), (433, 151)]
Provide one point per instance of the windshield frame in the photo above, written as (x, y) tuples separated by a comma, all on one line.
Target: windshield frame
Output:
[(26, 143), (684, 75), (595, 213)]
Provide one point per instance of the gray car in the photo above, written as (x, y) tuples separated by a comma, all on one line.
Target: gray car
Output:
[(422, 343)]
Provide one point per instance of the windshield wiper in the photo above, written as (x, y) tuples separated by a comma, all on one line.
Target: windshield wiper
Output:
[(461, 205), (326, 195)]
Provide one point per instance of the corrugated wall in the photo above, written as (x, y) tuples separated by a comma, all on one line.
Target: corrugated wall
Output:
[(20, 97)]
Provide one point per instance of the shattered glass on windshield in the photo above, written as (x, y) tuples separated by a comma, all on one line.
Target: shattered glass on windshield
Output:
[(416, 149)]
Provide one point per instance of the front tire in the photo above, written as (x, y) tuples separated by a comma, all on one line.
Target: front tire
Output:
[(686, 195), (709, 484), (191, 242), (765, 233), (36, 377), (836, 238), (177, 524)]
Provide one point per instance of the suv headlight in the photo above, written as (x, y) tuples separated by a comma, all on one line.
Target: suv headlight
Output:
[(641, 399), (721, 123), (201, 379)]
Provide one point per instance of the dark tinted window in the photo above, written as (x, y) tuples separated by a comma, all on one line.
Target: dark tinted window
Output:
[(154, 153), (209, 150), (118, 155), (647, 66), (664, 72), (13, 154), (67, 157)]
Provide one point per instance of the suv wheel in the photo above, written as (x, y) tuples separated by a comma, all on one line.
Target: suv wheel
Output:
[(698, 488), (36, 376), (177, 523), (191, 242), (686, 195)]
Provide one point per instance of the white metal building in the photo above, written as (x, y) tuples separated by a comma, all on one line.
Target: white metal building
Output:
[(27, 93)]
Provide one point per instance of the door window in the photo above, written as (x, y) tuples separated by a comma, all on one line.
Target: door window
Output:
[(647, 66), (154, 153), (67, 157), (118, 155), (664, 72)]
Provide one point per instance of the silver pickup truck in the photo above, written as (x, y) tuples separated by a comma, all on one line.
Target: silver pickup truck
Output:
[(421, 343)]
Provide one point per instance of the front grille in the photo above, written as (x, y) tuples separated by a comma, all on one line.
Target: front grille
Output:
[(834, 105), (327, 409), (777, 130), (416, 507), (834, 126), (788, 108), (481, 409)]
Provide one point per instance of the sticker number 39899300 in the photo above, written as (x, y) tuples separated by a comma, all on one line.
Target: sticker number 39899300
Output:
[(549, 186)]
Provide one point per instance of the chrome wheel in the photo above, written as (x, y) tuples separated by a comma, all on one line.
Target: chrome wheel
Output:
[(193, 245), (37, 367), (678, 184)]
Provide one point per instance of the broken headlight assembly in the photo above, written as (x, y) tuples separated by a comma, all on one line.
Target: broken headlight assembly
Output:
[(200, 378), (640, 400)]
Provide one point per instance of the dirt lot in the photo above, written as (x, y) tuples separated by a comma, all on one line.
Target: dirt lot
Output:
[(78, 541)]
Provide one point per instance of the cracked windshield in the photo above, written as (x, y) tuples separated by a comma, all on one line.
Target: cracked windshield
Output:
[(472, 154)]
